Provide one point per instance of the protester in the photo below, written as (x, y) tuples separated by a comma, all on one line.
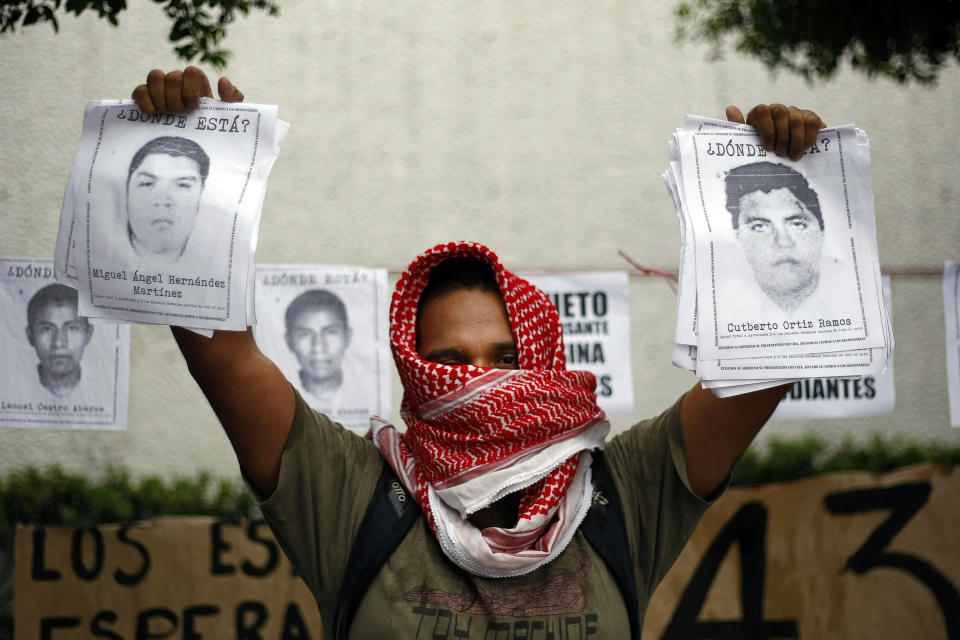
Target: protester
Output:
[(498, 449)]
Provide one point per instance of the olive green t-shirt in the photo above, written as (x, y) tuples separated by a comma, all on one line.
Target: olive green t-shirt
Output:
[(327, 478)]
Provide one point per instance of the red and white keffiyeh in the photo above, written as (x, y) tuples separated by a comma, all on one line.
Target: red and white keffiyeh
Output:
[(475, 435)]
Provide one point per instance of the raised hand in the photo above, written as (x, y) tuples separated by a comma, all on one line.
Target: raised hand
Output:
[(180, 91), (786, 131)]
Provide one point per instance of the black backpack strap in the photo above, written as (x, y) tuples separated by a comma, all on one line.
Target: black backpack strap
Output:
[(606, 531), (390, 514)]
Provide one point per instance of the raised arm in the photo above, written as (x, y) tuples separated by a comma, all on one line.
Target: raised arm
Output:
[(716, 432), (247, 391)]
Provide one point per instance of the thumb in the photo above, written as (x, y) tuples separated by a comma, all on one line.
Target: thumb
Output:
[(735, 115), (228, 92)]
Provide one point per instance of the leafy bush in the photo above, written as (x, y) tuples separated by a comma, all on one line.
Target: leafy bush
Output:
[(792, 459), (56, 497)]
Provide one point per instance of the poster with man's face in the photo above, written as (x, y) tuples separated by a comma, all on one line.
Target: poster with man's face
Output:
[(62, 370), (162, 226), (326, 329), (784, 256)]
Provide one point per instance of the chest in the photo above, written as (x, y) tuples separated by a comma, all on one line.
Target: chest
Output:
[(420, 594)]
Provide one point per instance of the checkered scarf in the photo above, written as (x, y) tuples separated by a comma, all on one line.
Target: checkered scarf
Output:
[(475, 434)]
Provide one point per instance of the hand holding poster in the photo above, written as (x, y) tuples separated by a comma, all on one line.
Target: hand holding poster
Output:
[(160, 218), (780, 278)]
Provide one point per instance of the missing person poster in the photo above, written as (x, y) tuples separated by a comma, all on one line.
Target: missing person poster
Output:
[(61, 370), (165, 219), (951, 312), (326, 328), (594, 309), (869, 395), (784, 250)]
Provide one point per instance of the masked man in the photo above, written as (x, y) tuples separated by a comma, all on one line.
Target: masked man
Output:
[(499, 449)]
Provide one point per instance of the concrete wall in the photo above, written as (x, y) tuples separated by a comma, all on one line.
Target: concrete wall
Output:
[(539, 128)]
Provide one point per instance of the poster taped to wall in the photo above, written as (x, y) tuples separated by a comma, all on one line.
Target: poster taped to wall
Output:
[(594, 309), (61, 370), (326, 328)]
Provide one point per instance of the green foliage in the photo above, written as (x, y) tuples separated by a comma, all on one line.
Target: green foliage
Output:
[(900, 40), (55, 497), (798, 458), (198, 26)]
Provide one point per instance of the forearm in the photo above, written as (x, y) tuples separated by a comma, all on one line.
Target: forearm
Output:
[(717, 431), (249, 394)]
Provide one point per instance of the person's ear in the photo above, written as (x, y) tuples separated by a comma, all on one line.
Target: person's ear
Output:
[(349, 336), (30, 339), (289, 340), (89, 333)]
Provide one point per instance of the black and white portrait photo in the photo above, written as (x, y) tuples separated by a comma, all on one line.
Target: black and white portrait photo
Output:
[(165, 212), (318, 333), (164, 185), (325, 328), (58, 336), (60, 370), (777, 219)]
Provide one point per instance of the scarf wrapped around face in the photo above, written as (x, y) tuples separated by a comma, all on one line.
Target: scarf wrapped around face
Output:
[(475, 434)]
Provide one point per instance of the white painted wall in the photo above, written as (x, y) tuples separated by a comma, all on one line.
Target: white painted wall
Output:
[(539, 128)]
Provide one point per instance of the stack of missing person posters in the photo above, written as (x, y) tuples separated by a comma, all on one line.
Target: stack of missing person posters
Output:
[(779, 276), (160, 215)]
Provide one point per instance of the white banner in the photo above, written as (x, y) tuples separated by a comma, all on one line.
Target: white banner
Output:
[(326, 328), (60, 370), (951, 311), (594, 308), (870, 395)]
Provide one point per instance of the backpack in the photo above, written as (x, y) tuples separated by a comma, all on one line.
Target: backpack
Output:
[(392, 511)]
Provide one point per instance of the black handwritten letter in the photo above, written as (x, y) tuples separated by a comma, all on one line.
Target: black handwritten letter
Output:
[(247, 629), (189, 619), (273, 556), (294, 628), (131, 579), (218, 546), (145, 628), (76, 554), (98, 631), (903, 501), (748, 529), (38, 570), (48, 625)]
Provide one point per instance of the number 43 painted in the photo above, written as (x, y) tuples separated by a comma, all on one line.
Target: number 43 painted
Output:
[(747, 529)]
